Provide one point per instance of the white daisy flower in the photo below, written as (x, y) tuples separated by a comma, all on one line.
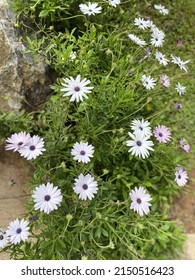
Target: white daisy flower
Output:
[(85, 186), (148, 82), (141, 125), (180, 89), (82, 152), (76, 88), (161, 58), (139, 144), (18, 231), (140, 200), (177, 60), (3, 238), (136, 40), (181, 177), (90, 8), (161, 9), (17, 140), (141, 23), (47, 197), (33, 148), (157, 37), (73, 55), (151, 24), (114, 3)]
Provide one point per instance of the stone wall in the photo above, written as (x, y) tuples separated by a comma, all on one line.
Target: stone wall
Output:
[(21, 77)]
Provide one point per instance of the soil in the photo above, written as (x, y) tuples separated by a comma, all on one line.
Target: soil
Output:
[(15, 174), (183, 206)]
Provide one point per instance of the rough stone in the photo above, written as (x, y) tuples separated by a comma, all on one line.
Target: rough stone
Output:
[(21, 77)]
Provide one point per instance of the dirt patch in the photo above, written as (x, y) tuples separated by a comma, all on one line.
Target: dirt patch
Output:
[(15, 174), (183, 206), (14, 193)]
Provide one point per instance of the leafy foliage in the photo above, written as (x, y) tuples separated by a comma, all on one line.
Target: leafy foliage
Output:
[(104, 228)]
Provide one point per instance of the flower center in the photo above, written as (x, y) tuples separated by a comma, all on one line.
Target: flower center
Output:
[(19, 230), (179, 176), (90, 10), (141, 128), (77, 89), (32, 148), (1, 237), (20, 143), (47, 198), (85, 187), (82, 153), (139, 201), (160, 134), (139, 143)]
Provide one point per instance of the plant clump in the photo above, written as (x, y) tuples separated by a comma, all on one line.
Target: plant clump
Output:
[(107, 156)]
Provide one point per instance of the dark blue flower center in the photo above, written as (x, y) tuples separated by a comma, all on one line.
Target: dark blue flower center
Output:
[(139, 201), (77, 89), (85, 187), (141, 128), (139, 143), (82, 153), (47, 198), (160, 134), (19, 230), (179, 176), (1, 237), (32, 148), (20, 143)]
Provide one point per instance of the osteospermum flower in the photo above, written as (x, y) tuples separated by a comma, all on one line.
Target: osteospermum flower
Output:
[(114, 3), (179, 43), (164, 79), (178, 106), (33, 148), (162, 10), (90, 8), (73, 55), (47, 197), (85, 186), (3, 238), (161, 58), (76, 88), (140, 144), (141, 23), (184, 145), (162, 134), (148, 82), (137, 40), (157, 37), (141, 125), (177, 60), (140, 201), (82, 152), (18, 231), (181, 176), (17, 140), (180, 89), (147, 52)]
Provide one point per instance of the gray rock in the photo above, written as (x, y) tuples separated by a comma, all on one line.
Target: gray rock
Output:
[(22, 79)]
